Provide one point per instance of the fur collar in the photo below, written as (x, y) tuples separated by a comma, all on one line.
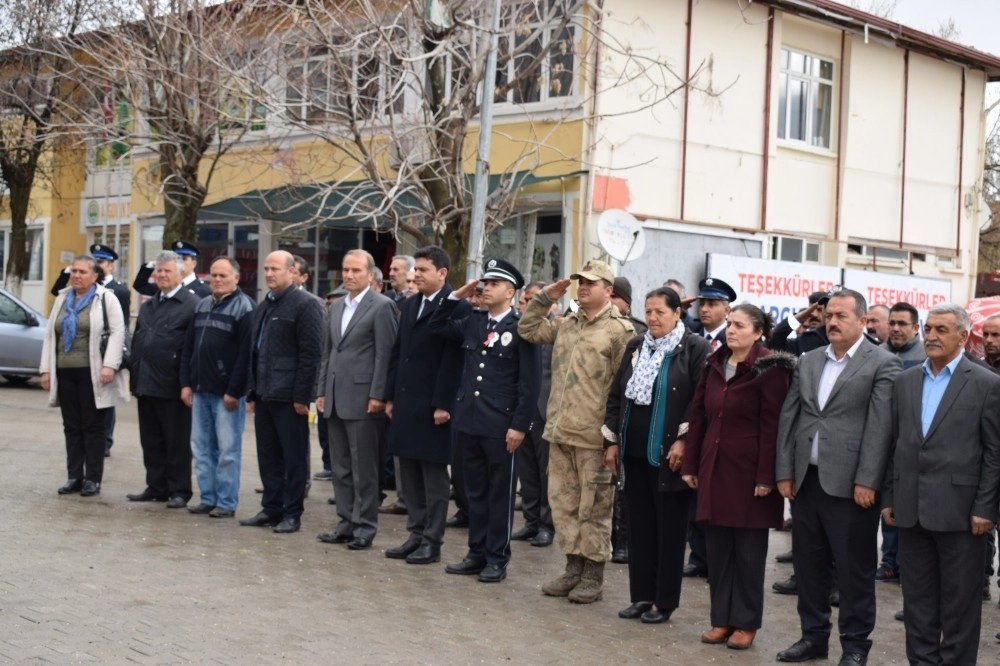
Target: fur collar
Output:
[(781, 360)]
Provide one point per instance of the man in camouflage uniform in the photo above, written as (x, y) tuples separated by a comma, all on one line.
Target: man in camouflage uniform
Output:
[(587, 348)]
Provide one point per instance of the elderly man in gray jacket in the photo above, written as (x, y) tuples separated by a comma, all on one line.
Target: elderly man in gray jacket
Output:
[(833, 445)]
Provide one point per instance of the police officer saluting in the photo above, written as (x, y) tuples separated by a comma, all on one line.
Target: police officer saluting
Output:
[(189, 279), (493, 411)]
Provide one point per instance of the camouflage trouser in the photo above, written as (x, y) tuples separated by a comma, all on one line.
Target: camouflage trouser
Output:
[(581, 498)]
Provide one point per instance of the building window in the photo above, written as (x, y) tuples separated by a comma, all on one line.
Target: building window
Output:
[(34, 253), (879, 253), (112, 149), (805, 98), (335, 83), (523, 77), (794, 249), (243, 97)]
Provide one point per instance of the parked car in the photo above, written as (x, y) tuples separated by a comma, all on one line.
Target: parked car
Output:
[(21, 332)]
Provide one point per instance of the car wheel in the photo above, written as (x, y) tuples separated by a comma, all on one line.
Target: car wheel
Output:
[(20, 380)]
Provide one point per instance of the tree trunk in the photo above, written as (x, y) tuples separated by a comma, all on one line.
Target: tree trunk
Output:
[(455, 242), (17, 268)]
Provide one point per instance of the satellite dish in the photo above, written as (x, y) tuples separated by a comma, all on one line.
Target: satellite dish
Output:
[(621, 235)]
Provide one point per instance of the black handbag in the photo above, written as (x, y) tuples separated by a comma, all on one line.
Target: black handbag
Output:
[(106, 335)]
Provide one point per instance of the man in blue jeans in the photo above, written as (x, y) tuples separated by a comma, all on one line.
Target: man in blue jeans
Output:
[(214, 384)]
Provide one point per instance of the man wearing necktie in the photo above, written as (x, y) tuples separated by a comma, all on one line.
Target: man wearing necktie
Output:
[(493, 411), (714, 299), (424, 370)]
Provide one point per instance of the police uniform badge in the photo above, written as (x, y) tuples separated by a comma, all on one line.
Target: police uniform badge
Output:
[(506, 338)]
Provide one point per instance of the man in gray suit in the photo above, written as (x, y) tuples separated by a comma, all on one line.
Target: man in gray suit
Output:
[(833, 446), (941, 490), (351, 391)]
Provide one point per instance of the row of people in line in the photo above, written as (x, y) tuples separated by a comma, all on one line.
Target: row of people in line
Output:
[(657, 412)]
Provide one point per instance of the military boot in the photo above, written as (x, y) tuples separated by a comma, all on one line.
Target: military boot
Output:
[(562, 585), (591, 587)]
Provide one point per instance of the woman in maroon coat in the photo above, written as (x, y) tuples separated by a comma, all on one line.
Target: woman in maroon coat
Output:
[(730, 461)]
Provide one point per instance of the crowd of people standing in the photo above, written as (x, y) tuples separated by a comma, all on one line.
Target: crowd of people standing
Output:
[(700, 429)]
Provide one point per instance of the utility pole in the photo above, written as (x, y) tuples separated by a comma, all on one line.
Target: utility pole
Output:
[(477, 222)]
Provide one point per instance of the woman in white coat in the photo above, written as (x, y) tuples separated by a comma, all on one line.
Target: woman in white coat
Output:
[(82, 383)]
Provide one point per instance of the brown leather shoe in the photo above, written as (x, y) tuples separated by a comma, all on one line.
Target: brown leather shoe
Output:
[(741, 639), (717, 635)]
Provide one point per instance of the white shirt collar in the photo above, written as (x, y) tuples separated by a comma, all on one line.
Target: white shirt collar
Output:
[(500, 316), (353, 302)]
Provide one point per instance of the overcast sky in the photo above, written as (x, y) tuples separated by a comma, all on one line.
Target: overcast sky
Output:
[(978, 21)]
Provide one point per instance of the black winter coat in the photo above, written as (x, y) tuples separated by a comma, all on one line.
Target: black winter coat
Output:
[(157, 345), (285, 365)]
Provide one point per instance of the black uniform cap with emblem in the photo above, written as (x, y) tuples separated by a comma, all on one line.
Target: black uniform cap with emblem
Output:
[(103, 252), (500, 269), (184, 248), (714, 289)]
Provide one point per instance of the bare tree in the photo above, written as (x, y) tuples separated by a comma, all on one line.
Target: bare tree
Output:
[(176, 69), (34, 102), (393, 90), (881, 8)]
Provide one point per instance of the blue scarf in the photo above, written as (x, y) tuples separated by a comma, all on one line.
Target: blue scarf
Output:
[(73, 307)]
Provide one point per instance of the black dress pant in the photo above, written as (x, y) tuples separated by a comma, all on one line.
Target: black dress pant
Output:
[(533, 471), (458, 475), (427, 487), (165, 435), (835, 534), (83, 424), (942, 595), (658, 523), (736, 561), (696, 538), (282, 457), (490, 483)]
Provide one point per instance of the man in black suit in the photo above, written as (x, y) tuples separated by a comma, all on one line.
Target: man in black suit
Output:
[(533, 459), (164, 419), (941, 490), (285, 352), (106, 258), (189, 278), (806, 325), (423, 376), (493, 411)]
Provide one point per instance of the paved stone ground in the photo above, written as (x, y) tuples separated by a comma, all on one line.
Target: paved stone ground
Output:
[(103, 580)]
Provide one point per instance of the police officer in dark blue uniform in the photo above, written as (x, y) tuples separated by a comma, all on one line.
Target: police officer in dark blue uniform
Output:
[(190, 279), (493, 411)]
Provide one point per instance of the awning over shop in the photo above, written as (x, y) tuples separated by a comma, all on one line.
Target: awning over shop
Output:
[(347, 204)]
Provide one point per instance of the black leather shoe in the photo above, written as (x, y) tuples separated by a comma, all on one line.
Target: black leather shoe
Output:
[(493, 573), (784, 558), (524, 534), (107, 453), (287, 526), (458, 520), (146, 496), (543, 538), (262, 519), (654, 616), (695, 571), (219, 512), (360, 543), (400, 552), (70, 487), (331, 500), (176, 502), (787, 586), (635, 611), (853, 659), (333, 537), (898, 615), (804, 650), (201, 508), (90, 488), (324, 475), (620, 555), (426, 554), (467, 567)]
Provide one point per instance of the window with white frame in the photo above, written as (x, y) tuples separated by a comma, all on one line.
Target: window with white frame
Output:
[(331, 83), (794, 249), (243, 92), (805, 98), (34, 252), (523, 75)]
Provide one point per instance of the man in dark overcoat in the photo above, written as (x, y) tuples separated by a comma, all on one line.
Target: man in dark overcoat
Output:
[(424, 370)]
